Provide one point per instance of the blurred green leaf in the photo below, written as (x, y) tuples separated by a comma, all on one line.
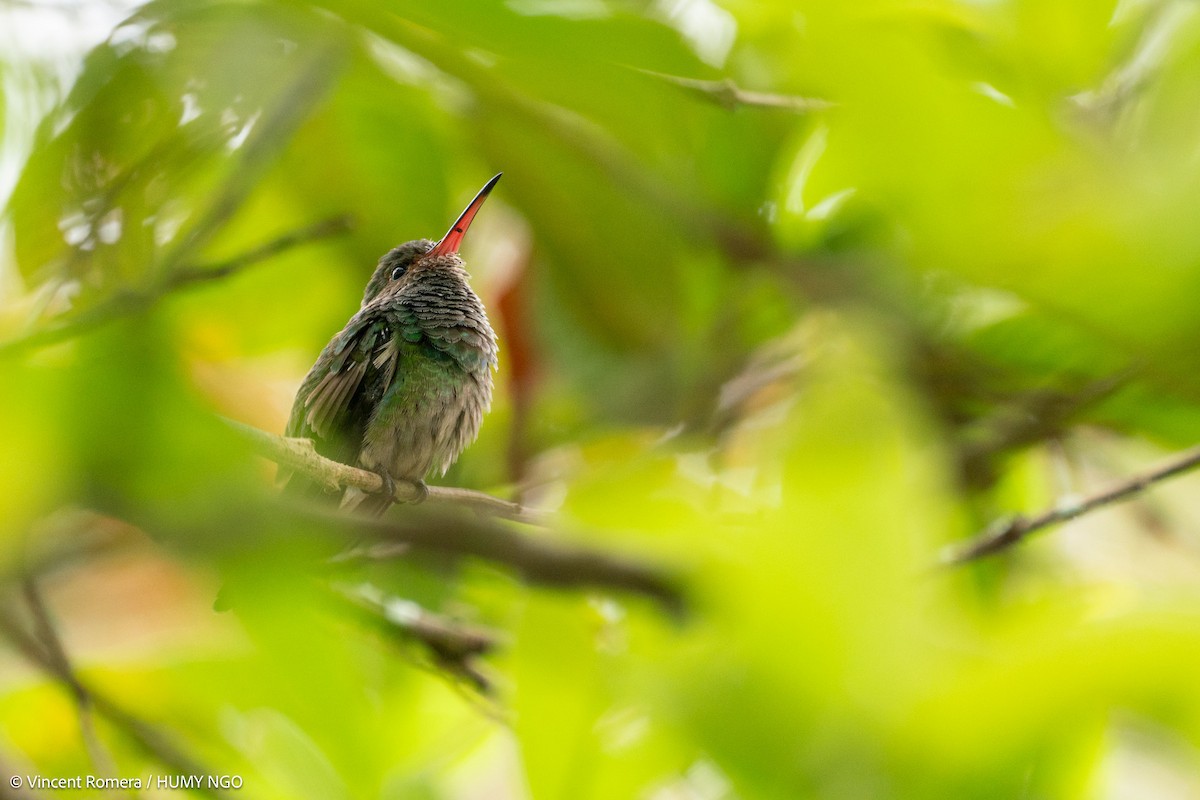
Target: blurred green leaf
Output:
[(784, 356)]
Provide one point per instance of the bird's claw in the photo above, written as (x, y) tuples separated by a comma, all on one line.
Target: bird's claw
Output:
[(421, 489), (389, 488), (389, 485)]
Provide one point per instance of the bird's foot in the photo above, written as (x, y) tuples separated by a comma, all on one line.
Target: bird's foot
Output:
[(389, 485), (413, 491), (422, 491)]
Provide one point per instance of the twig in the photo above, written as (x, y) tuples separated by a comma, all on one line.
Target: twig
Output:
[(1005, 533), (452, 645), (483, 503), (130, 301), (147, 736), (300, 455), (729, 95), (275, 129), (333, 226), (45, 631), (1161, 36), (1031, 418), (683, 205), (272, 132)]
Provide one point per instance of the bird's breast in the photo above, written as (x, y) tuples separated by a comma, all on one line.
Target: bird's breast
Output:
[(427, 417)]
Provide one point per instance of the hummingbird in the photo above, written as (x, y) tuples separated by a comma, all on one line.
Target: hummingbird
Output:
[(402, 389)]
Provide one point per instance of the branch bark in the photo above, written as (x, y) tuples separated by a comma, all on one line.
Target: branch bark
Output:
[(1010, 531), (432, 526), (300, 455)]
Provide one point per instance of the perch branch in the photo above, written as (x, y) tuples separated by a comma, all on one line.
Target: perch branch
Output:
[(1009, 531), (537, 560), (729, 95), (300, 455)]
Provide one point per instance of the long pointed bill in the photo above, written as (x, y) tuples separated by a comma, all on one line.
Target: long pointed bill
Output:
[(454, 236)]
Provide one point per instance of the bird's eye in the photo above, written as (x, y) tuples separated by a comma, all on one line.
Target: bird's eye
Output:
[(397, 272)]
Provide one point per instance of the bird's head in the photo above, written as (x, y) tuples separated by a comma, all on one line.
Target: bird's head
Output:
[(400, 263)]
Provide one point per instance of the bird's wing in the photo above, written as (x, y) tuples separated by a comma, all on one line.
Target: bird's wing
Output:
[(339, 393)]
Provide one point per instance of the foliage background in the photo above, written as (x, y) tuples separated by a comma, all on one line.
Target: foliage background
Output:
[(786, 351)]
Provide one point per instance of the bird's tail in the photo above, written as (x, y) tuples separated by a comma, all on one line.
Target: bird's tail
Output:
[(360, 502)]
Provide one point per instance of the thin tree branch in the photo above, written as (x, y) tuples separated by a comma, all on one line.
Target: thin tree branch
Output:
[(729, 95), (300, 455), (1029, 419), (152, 740), (536, 559), (272, 132), (681, 204), (1007, 532), (1160, 39), (452, 645), (333, 226), (131, 301), (275, 129), (45, 631)]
